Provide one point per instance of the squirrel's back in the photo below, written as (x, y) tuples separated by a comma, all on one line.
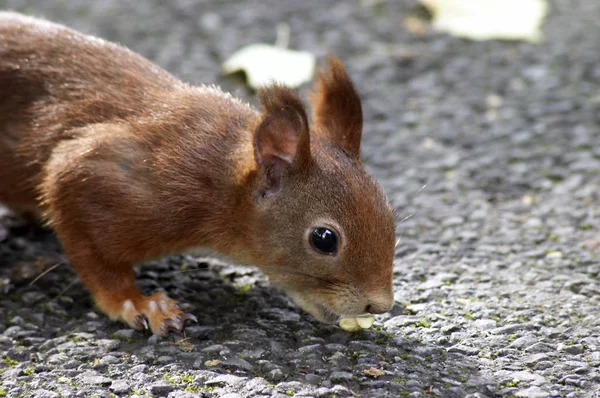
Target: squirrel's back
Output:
[(56, 82)]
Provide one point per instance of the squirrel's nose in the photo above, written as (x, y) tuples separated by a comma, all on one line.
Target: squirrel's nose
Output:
[(380, 306)]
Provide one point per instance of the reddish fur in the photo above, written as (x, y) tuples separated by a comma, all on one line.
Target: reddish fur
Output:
[(126, 162)]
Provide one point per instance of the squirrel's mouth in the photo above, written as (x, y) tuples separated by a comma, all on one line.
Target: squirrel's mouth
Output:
[(327, 315), (319, 311)]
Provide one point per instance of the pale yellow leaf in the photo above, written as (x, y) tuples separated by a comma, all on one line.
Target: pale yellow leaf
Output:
[(489, 19), (264, 63)]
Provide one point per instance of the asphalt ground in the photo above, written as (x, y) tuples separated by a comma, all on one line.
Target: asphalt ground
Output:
[(497, 268)]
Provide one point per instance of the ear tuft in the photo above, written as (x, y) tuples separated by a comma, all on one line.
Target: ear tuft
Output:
[(337, 111), (277, 96)]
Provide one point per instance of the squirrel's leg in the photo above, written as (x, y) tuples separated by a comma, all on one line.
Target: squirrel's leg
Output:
[(113, 288), (85, 195)]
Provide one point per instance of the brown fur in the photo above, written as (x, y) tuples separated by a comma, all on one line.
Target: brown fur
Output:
[(125, 162)]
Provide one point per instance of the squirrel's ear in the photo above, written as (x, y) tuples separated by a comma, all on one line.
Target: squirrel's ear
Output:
[(281, 141), (337, 112)]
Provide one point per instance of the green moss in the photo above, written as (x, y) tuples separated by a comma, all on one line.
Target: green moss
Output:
[(179, 378), (193, 389), (29, 371), (509, 384), (424, 323), (140, 393), (188, 378), (245, 288), (403, 356), (383, 339), (9, 362), (122, 338), (171, 379), (399, 380)]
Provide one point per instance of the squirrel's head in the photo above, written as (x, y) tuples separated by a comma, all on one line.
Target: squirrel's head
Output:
[(323, 230)]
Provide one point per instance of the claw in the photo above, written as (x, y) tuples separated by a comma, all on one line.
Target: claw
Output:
[(173, 324), (187, 316), (140, 322)]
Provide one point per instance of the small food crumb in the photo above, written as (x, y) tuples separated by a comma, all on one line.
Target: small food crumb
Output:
[(356, 323), (374, 372), (349, 324), (365, 321)]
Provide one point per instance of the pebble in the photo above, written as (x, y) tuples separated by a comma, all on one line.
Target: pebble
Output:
[(120, 387), (573, 349), (465, 350), (124, 334), (95, 380), (226, 380), (109, 360), (276, 375), (341, 376), (161, 388)]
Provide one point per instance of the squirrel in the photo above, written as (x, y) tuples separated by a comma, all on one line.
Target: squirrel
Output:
[(126, 162)]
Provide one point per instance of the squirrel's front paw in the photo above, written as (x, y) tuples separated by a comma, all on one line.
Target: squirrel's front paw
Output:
[(158, 312)]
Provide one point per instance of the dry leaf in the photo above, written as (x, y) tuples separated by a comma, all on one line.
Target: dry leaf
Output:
[(264, 63), (489, 19), (374, 372), (184, 345)]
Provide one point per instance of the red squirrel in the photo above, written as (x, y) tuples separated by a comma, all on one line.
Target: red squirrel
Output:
[(125, 162)]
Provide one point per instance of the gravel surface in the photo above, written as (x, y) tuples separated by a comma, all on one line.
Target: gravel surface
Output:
[(497, 271)]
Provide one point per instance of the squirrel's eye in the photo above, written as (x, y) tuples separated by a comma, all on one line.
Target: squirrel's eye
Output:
[(324, 240)]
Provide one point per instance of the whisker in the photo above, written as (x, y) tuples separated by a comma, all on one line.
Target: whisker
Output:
[(37, 278), (422, 188), (409, 216), (75, 281), (187, 271)]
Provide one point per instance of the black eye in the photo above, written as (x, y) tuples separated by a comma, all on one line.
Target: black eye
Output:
[(324, 241)]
